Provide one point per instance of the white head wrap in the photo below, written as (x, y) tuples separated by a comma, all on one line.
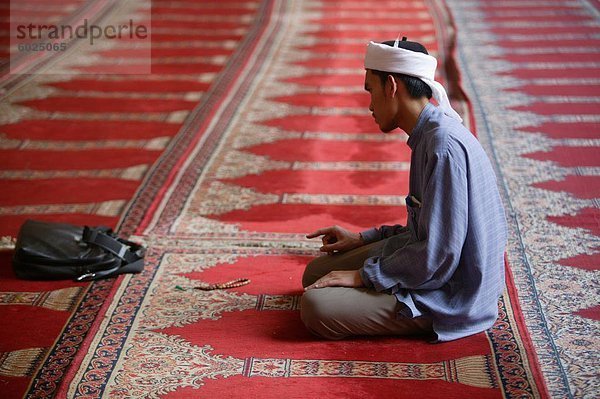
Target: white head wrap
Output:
[(382, 57)]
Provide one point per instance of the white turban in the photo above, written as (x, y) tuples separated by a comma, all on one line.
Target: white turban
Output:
[(382, 57)]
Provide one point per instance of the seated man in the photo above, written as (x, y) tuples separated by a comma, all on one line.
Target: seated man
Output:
[(443, 273)]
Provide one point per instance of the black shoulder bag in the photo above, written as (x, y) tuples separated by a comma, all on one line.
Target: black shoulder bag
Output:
[(53, 251)]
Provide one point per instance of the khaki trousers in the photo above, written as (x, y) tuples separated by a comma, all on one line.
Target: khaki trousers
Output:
[(339, 312)]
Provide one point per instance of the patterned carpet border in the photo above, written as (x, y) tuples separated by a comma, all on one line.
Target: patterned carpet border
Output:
[(52, 371), (566, 367), (534, 313), (528, 297)]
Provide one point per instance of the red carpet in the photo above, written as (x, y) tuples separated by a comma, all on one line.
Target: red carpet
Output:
[(251, 131)]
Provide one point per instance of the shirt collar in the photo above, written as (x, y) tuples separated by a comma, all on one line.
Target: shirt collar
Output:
[(417, 133)]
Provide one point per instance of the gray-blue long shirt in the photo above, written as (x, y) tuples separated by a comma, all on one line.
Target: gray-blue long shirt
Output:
[(452, 268)]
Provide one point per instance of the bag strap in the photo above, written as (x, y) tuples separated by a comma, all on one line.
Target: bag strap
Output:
[(126, 250), (131, 255)]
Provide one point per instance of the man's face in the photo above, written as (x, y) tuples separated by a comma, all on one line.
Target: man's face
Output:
[(381, 105)]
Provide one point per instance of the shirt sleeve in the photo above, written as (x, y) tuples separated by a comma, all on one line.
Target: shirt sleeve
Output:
[(377, 234), (438, 229)]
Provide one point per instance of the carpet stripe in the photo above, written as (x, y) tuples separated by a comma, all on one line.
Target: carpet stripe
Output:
[(563, 90), (178, 24), (326, 182), (568, 156), (361, 7), (229, 11), (112, 208), (72, 160), (381, 35), (324, 123), (495, 8), (130, 86), (332, 63), (546, 108), (586, 218), (389, 22), (165, 52), (543, 18), (74, 104), (353, 100), (358, 49), (161, 37), (311, 150), (580, 186), (584, 261), (59, 129), (343, 199), (550, 73), (548, 43), (352, 165), (565, 130), (590, 313), (551, 57), (136, 172), (64, 191), (328, 80), (155, 68), (224, 3), (294, 218), (534, 29)]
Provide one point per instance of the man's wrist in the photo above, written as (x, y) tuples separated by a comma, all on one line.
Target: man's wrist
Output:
[(369, 236), (361, 239), (363, 276)]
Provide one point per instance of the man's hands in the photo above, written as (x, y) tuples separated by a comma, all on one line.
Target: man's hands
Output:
[(340, 278), (336, 238)]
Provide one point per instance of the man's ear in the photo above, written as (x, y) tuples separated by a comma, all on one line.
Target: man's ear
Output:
[(391, 86)]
